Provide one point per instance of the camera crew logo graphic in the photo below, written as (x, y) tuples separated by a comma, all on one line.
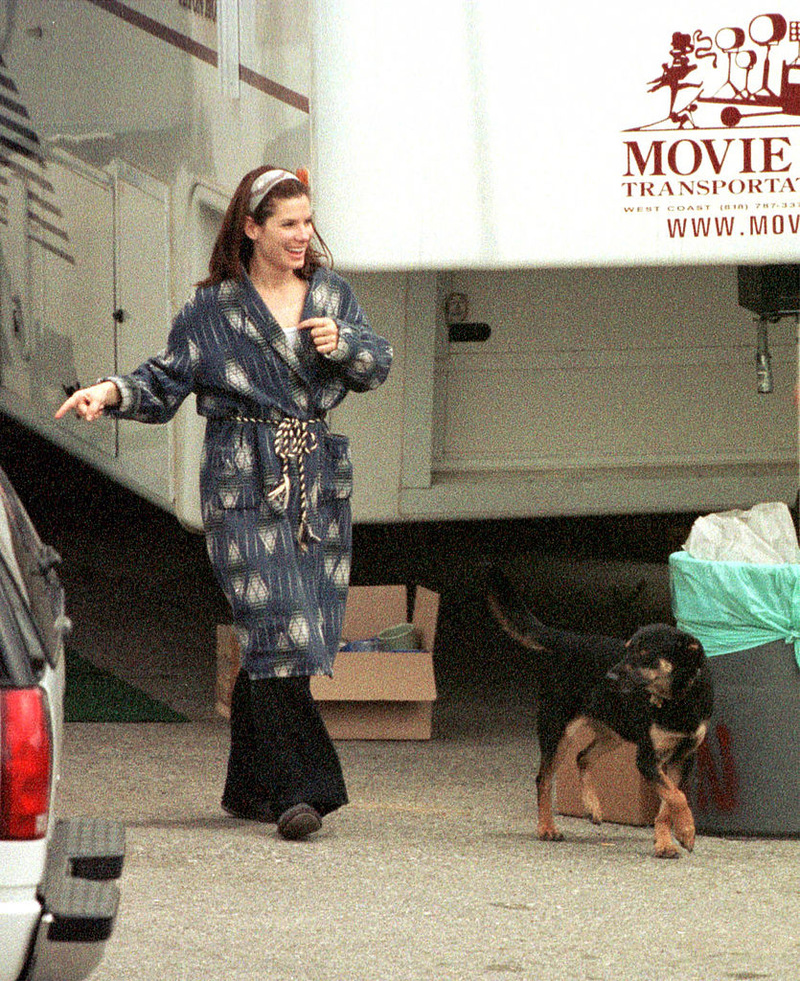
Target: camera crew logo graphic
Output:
[(750, 76)]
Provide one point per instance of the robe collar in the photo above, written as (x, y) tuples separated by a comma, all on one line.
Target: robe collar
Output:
[(247, 313)]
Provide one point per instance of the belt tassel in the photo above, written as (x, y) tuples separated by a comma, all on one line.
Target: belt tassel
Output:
[(293, 440)]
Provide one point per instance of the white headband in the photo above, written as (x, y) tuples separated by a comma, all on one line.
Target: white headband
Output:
[(263, 185)]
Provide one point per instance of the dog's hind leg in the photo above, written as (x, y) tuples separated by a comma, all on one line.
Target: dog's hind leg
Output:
[(553, 755), (553, 751), (603, 742), (546, 829)]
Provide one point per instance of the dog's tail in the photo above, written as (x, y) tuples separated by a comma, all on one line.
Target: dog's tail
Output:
[(515, 616), (520, 622)]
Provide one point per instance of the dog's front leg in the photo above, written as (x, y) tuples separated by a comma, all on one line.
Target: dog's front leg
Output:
[(678, 811), (664, 844), (677, 771), (674, 811)]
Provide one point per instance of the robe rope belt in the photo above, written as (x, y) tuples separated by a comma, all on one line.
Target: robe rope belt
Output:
[(293, 440)]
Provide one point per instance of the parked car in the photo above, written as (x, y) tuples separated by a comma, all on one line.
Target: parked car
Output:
[(58, 894)]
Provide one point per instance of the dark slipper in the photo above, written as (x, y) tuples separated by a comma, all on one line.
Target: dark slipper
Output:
[(299, 822)]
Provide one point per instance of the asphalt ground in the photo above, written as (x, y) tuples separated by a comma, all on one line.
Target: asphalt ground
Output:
[(433, 871)]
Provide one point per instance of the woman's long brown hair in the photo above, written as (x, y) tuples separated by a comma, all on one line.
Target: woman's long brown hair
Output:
[(230, 257)]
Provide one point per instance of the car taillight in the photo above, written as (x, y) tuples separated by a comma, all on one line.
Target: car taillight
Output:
[(25, 754)]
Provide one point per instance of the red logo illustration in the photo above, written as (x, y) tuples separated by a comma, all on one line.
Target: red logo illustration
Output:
[(742, 75)]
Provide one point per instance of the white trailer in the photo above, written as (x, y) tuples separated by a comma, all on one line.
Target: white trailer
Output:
[(544, 212)]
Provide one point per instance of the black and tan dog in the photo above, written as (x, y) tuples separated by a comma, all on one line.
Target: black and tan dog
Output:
[(653, 690)]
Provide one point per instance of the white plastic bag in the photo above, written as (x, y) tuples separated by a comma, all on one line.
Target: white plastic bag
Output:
[(765, 534)]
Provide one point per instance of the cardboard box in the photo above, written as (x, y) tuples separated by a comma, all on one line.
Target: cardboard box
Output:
[(625, 797), (373, 694)]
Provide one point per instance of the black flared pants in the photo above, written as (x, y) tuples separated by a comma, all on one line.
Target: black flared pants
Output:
[(281, 753)]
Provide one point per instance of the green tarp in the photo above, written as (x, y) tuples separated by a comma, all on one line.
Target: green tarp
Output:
[(734, 606)]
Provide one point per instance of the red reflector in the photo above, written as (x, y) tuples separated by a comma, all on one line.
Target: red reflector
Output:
[(25, 755)]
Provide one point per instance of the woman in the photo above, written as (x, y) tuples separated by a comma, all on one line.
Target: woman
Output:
[(270, 342)]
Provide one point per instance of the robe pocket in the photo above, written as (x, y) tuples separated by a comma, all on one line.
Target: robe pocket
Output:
[(338, 467), (231, 478)]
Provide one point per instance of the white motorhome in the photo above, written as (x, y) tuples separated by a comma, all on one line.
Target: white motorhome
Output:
[(545, 211)]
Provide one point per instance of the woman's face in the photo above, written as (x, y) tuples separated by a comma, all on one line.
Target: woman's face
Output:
[(282, 240)]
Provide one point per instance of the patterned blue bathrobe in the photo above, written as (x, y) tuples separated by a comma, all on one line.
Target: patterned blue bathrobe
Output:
[(275, 483)]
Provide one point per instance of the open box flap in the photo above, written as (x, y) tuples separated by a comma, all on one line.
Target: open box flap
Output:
[(371, 609), (426, 613)]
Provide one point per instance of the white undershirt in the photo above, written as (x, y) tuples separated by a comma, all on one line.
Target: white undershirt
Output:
[(292, 335)]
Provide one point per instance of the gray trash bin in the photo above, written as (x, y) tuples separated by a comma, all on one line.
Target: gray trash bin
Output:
[(747, 616)]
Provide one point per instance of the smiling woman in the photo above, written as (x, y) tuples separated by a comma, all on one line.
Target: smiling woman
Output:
[(280, 243), (271, 341)]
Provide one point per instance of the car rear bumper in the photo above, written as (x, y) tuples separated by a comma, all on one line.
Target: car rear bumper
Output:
[(79, 897)]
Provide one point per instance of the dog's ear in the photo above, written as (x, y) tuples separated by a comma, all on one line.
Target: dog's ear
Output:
[(690, 658), (693, 648)]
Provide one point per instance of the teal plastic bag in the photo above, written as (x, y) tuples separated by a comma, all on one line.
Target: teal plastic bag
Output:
[(734, 606)]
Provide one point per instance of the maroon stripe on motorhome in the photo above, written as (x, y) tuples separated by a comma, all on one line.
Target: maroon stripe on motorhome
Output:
[(25, 172), (48, 226), (201, 51), (52, 248), (45, 205), (7, 82), (256, 81)]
